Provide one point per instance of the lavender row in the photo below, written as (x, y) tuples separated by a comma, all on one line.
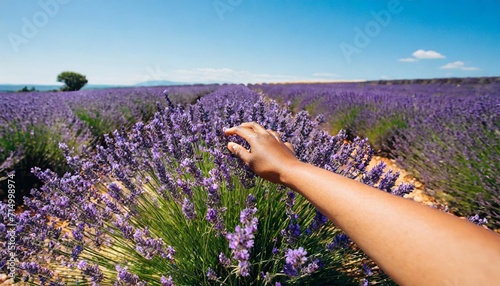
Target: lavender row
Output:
[(445, 135), (166, 203), (32, 124)]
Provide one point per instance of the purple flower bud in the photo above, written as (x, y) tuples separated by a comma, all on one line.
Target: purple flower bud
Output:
[(166, 281), (211, 275), (212, 215), (367, 269), (475, 219), (188, 209), (223, 260), (339, 241)]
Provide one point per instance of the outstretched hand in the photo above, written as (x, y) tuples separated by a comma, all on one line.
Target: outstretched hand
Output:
[(268, 156)]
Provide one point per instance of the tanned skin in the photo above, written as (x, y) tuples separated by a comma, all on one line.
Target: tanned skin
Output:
[(412, 243)]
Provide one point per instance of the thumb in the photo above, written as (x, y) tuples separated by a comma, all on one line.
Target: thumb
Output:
[(239, 151)]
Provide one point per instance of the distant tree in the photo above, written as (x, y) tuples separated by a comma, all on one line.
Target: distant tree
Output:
[(72, 80), (25, 89)]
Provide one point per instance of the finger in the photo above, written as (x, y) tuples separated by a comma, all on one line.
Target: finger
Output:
[(275, 134), (244, 132), (239, 151), (290, 147), (255, 126)]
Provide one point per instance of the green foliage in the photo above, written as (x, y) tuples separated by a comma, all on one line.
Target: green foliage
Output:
[(295, 104), (381, 132), (72, 80), (29, 146), (314, 107), (101, 122), (98, 125), (345, 120)]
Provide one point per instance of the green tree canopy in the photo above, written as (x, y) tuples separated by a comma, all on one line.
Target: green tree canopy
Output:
[(73, 80)]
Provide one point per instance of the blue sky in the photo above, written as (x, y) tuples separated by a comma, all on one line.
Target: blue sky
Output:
[(247, 41)]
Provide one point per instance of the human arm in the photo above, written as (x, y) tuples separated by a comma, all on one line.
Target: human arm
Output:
[(412, 243)]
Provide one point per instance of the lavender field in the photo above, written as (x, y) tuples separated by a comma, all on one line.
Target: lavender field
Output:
[(137, 187), (33, 124), (445, 135)]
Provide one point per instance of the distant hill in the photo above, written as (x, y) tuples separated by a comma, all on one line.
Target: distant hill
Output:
[(16, 87), (38, 87), (451, 80)]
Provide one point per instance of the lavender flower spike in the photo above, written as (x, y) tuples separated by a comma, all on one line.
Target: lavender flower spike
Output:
[(294, 258), (242, 240)]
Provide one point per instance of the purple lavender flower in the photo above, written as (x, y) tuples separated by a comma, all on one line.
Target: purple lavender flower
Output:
[(318, 221), (92, 271), (242, 240), (166, 281), (211, 274), (212, 215), (251, 201), (126, 229), (212, 187), (403, 189), (476, 219), (76, 251), (367, 269), (78, 231), (149, 247), (224, 260), (169, 253), (388, 181), (125, 276), (35, 268), (311, 267), (294, 230), (184, 186), (244, 268), (295, 260), (339, 241), (374, 175), (188, 209)]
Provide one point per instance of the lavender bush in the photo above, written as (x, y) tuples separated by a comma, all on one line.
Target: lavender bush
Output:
[(167, 204), (445, 135), (31, 126), (109, 109), (461, 161)]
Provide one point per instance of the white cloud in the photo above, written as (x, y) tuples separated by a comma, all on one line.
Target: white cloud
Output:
[(408, 60), (325, 74), (458, 65), (228, 75), (421, 54)]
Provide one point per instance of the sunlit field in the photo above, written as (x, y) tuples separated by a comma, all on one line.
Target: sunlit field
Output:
[(135, 186)]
